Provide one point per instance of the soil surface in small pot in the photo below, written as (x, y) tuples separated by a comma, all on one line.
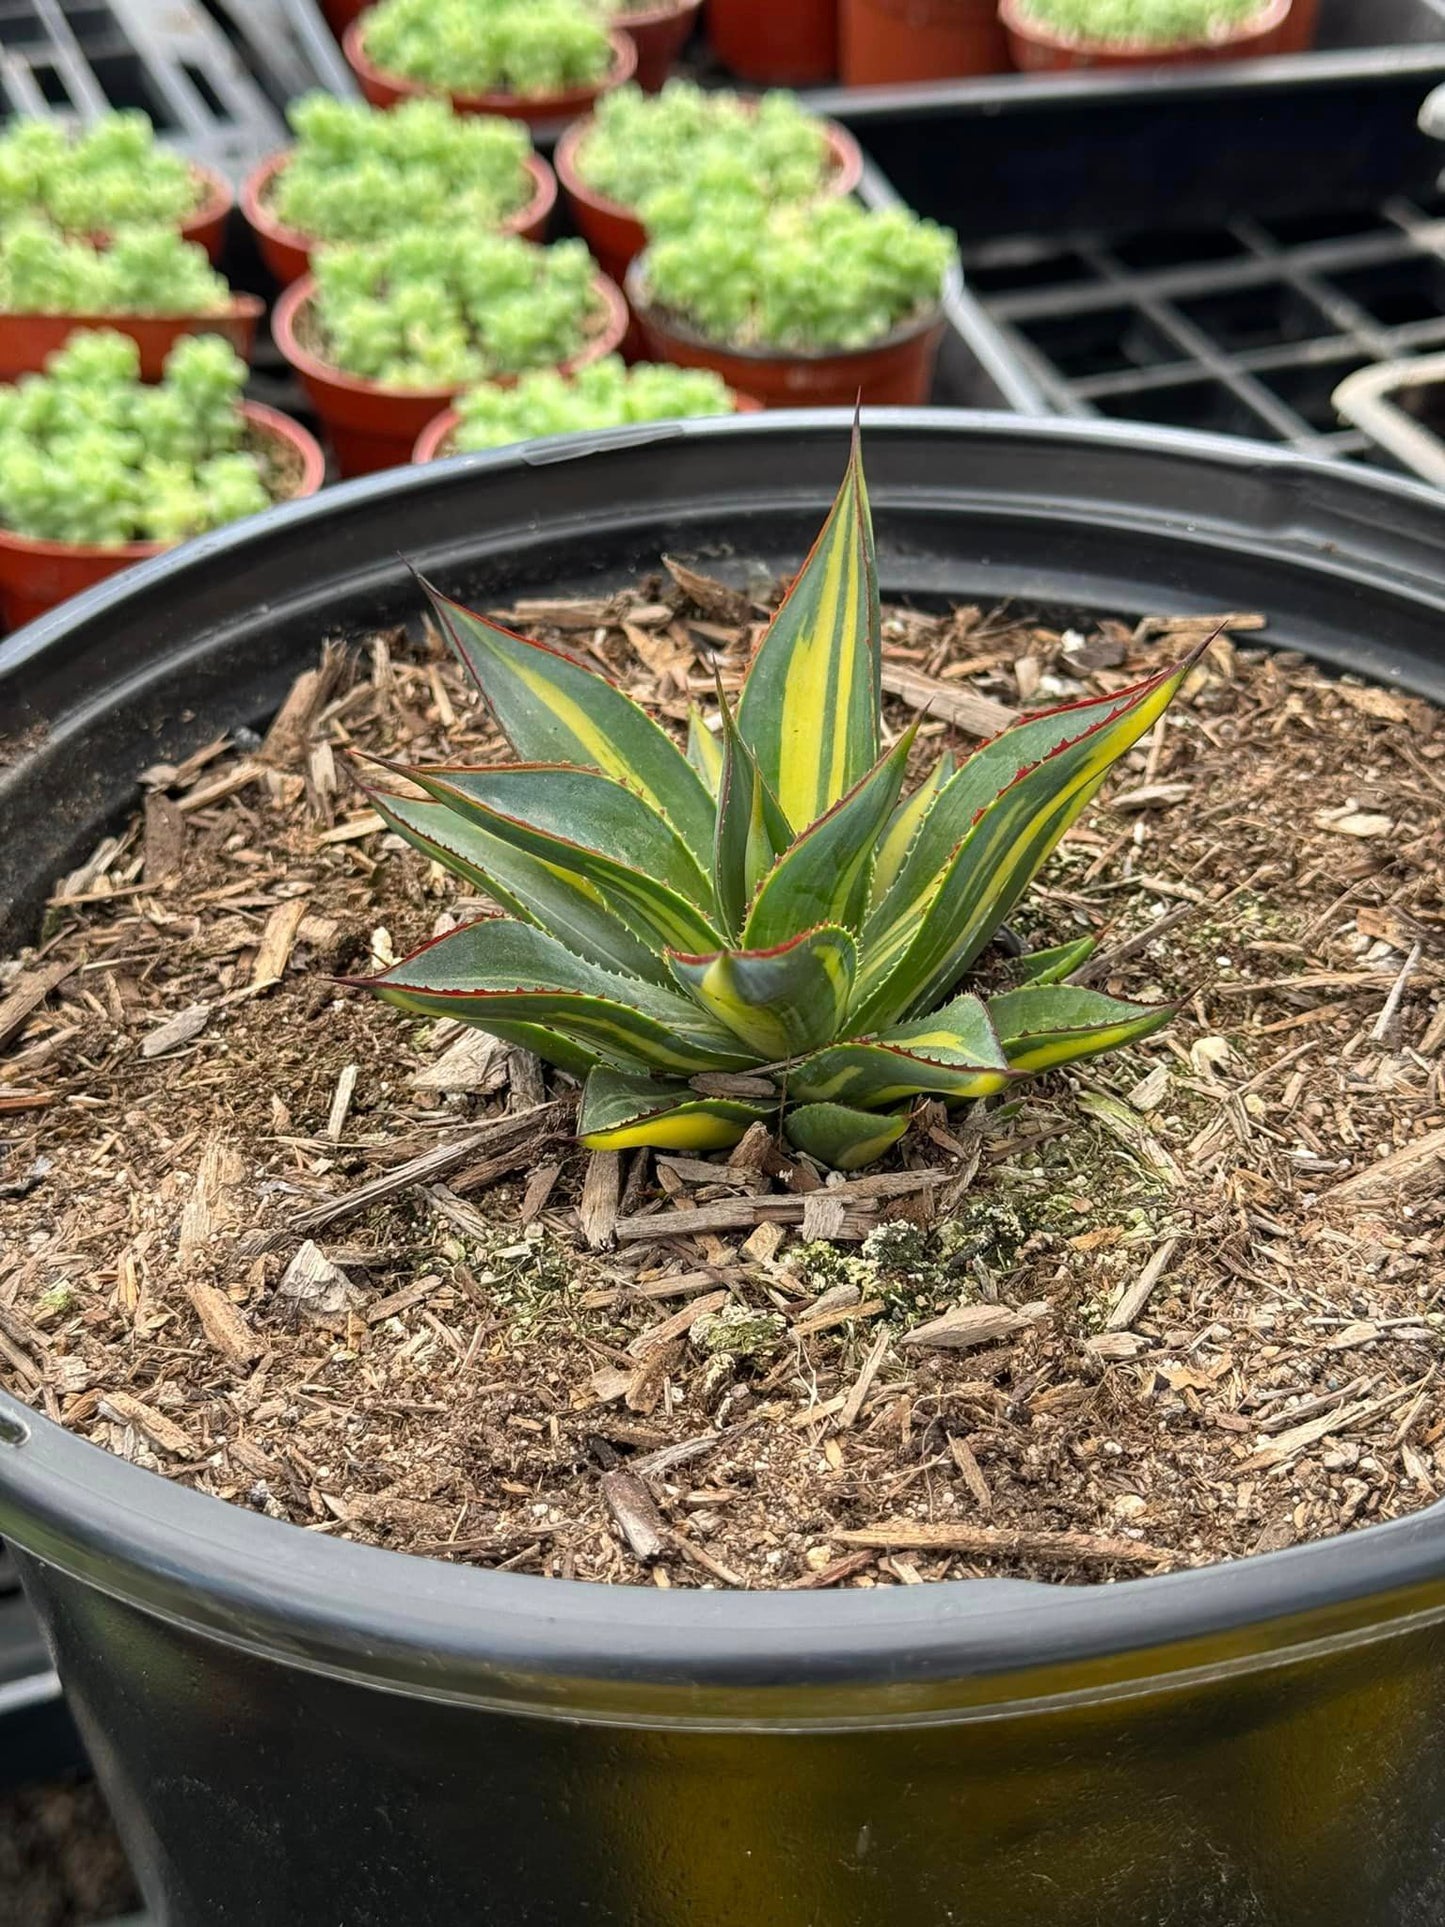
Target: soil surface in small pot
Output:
[(61, 1864), (274, 1240)]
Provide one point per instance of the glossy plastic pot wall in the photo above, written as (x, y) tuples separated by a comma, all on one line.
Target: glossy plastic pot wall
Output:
[(295, 1729)]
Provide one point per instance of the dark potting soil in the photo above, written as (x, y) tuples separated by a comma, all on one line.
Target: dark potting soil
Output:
[(61, 1864), (278, 1242)]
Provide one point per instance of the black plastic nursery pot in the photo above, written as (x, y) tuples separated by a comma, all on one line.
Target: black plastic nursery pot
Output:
[(292, 1728)]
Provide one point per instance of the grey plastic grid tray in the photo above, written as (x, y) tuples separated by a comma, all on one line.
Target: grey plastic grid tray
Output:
[(1246, 328), (213, 78)]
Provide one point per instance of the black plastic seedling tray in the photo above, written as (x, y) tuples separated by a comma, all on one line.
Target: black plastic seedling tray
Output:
[(1115, 151)]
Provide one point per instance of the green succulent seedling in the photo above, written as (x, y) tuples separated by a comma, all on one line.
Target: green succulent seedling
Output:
[(770, 902), (1144, 23), (522, 47)]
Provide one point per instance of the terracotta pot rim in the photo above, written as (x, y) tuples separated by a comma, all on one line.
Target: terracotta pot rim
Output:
[(240, 307), (431, 443), (270, 421), (846, 175), (288, 309), (668, 323), (220, 198), (538, 106), (264, 220), (1269, 15), (625, 17)]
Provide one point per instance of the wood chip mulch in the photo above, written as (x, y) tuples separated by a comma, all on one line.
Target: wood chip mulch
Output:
[(269, 1238)]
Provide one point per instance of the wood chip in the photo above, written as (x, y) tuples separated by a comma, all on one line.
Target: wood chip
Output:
[(841, 1569), (678, 1326), (27, 993), (863, 1384), (183, 1028), (714, 598), (474, 1064), (1339, 1419), (341, 1102), (965, 708), (999, 1542), (601, 1190), (969, 1325), (163, 841), (636, 1513), (316, 1287), (277, 941), (824, 1215), (223, 1323), (161, 1431), (1133, 1298), (1416, 1164), (970, 1471)]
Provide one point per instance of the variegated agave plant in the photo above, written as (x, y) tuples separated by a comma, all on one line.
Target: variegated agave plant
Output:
[(769, 902)]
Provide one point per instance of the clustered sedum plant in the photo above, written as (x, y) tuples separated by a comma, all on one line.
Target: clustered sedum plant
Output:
[(89, 453), (772, 902), (807, 278), (114, 174), (605, 394), (523, 47), (435, 309), (144, 271), (714, 141), (358, 173), (1143, 23)]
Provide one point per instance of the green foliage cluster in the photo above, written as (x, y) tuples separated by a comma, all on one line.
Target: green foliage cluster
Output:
[(831, 275), (359, 173), (434, 309), (1145, 23), (88, 453), (715, 143), (114, 174), (523, 47), (146, 271), (606, 394)]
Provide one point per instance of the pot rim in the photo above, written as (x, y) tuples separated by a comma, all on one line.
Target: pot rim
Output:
[(1269, 15), (530, 106), (239, 307), (668, 324), (265, 221), (270, 421), (286, 313), (844, 180), (431, 443), (625, 18), (950, 1651)]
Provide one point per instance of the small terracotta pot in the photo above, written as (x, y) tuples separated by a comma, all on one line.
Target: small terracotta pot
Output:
[(27, 339), (1297, 35), (431, 444), (207, 226), (1035, 50), (384, 89), (36, 575), (341, 13), (894, 372), (372, 426), (659, 33), (614, 233), (287, 251), (887, 41), (776, 43)]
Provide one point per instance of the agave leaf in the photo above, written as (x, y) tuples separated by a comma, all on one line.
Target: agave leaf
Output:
[(621, 1113), (990, 772), (1044, 1025), (752, 831), (811, 706), (1052, 966), (780, 1002), (954, 1055), (704, 751), (907, 821), (840, 1137), (593, 828), (498, 973), (552, 710), (943, 926), (565, 906), (824, 877)]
